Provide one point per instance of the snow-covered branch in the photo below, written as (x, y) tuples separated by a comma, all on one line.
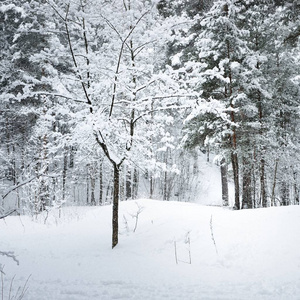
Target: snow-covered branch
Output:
[(60, 96), (149, 112), (4, 215), (18, 185), (11, 255), (124, 42)]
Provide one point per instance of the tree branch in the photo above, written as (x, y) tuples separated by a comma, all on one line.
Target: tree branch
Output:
[(10, 254), (7, 214), (61, 96), (120, 55), (75, 61), (160, 109), (293, 36), (168, 96), (138, 49), (19, 185)]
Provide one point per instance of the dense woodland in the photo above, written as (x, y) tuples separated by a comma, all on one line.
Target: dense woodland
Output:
[(102, 101)]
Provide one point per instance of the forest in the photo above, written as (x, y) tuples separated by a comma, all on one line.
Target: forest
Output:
[(104, 101)]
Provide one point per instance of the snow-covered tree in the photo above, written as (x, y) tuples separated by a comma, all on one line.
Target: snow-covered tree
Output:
[(118, 84)]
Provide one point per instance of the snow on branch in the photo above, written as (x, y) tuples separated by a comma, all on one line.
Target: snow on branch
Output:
[(18, 185), (7, 214), (11, 255), (60, 96), (124, 43)]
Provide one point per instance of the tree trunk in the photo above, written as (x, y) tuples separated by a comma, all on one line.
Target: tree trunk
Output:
[(207, 153), (165, 186), (87, 189), (128, 185), (166, 179), (247, 201), (135, 183), (93, 184), (64, 174), (274, 184), (234, 156), (296, 189), (115, 214), (264, 200), (224, 181), (151, 183), (101, 183), (285, 194), (235, 168), (72, 156), (108, 194), (44, 188)]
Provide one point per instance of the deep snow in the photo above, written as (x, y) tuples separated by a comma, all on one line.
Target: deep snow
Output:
[(70, 256)]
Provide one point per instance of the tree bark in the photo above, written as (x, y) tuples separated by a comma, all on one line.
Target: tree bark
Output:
[(235, 168), (101, 183), (135, 183), (128, 184), (64, 173), (285, 193), (234, 156), (87, 189), (151, 183), (274, 184), (93, 184), (264, 199), (247, 201), (115, 214), (224, 181), (296, 188), (44, 188)]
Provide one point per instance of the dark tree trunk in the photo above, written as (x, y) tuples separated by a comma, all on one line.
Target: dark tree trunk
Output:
[(274, 183), (235, 168), (165, 185), (207, 154), (72, 155), (247, 201), (128, 185), (44, 188), (296, 189), (135, 183), (101, 183), (64, 174), (14, 166), (264, 199), (108, 197), (93, 184), (87, 189), (254, 188), (151, 183), (234, 156), (115, 214), (224, 181), (263, 194), (285, 194), (166, 177)]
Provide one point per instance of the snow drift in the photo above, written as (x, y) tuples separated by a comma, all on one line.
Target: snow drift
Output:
[(178, 251)]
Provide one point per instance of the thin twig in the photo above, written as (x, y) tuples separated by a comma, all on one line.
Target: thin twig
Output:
[(10, 287), (124, 42), (176, 259), (7, 214), (25, 288), (212, 234), (2, 288), (10, 254)]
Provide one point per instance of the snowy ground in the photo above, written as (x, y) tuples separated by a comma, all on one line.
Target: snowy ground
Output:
[(69, 257)]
